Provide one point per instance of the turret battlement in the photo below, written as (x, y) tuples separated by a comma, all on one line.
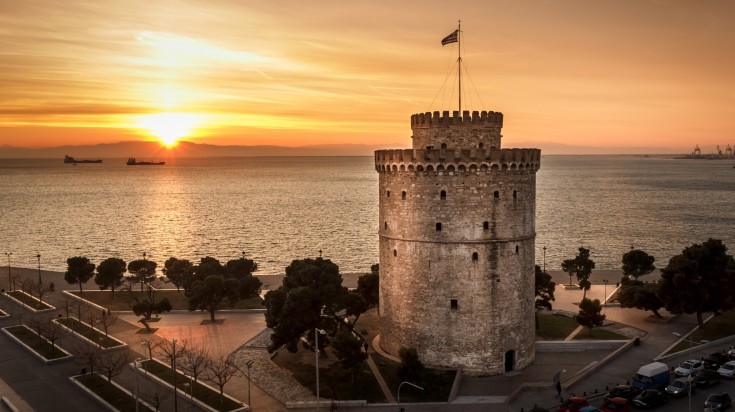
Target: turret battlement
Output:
[(482, 160), (483, 118)]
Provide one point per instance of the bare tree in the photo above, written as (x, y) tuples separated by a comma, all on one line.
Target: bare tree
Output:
[(37, 324), (107, 320), (151, 344), (170, 351), (68, 305), (112, 363), (155, 395), (87, 355), (220, 371), (80, 310), (38, 289), (196, 361), (52, 332)]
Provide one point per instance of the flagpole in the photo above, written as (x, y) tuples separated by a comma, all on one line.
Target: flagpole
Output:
[(459, 63)]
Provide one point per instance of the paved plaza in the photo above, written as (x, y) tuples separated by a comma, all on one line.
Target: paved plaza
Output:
[(242, 333)]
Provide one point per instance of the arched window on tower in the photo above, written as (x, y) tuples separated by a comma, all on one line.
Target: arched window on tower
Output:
[(444, 146), (403, 195), (517, 250), (475, 256), (438, 227), (443, 195), (515, 194), (481, 145), (496, 194), (395, 253), (387, 193), (485, 225), (385, 225)]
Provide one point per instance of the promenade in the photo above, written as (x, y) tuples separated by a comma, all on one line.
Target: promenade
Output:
[(241, 333)]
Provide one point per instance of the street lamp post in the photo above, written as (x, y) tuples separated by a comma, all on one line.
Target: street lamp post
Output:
[(38, 256), (544, 259), (399, 391), (604, 298), (173, 369), (10, 285), (249, 365), (689, 377), (317, 332)]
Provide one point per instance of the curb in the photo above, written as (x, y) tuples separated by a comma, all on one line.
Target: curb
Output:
[(103, 402), (36, 354)]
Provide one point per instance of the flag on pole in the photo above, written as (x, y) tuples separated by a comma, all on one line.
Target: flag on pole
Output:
[(452, 38)]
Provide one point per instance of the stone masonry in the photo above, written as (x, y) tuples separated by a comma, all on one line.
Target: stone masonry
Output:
[(457, 233)]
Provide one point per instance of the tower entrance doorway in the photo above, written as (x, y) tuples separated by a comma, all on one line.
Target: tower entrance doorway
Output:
[(510, 360)]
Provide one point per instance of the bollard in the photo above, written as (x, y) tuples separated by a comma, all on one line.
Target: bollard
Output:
[(595, 390)]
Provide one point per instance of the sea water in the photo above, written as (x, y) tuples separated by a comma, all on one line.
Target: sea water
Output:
[(277, 209)]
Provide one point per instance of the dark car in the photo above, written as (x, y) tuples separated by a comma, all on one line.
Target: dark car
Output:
[(615, 405), (622, 391), (719, 401), (650, 398), (715, 360), (705, 377), (573, 404), (680, 388)]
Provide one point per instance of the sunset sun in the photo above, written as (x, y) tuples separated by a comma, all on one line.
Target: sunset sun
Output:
[(169, 127)]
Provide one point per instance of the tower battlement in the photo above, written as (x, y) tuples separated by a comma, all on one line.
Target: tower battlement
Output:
[(483, 118), (437, 159)]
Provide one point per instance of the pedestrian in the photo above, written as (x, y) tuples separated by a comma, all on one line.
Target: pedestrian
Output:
[(51, 286), (558, 390)]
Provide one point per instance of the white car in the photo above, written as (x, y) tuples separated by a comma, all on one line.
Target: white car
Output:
[(687, 367), (731, 352), (727, 370)]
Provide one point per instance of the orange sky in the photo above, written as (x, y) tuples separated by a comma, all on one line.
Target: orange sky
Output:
[(617, 73)]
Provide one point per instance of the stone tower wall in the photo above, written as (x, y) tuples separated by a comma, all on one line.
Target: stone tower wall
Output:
[(434, 131), (457, 232)]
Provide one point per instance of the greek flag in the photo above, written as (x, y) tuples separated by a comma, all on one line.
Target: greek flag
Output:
[(452, 38)]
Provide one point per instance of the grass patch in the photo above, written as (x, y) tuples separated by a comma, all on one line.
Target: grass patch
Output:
[(38, 344), (334, 382), (720, 326), (437, 383), (599, 334), (28, 300), (88, 332), (115, 396), (124, 300), (201, 392), (555, 327)]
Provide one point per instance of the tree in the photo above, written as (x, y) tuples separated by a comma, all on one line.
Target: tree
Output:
[(170, 351), (636, 294), (142, 271), (146, 309), (155, 396), (368, 286), (589, 314), (355, 305), (544, 291), (79, 270), (52, 332), (348, 349), (209, 266), (411, 367), (581, 266), (637, 263), (242, 269), (196, 361), (700, 279), (209, 293), (110, 273), (108, 319), (180, 272), (309, 298), (112, 363), (152, 344), (220, 371)]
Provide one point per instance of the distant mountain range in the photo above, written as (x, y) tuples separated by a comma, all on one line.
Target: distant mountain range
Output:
[(154, 150)]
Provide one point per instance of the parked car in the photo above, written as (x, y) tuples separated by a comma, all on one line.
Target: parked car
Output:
[(615, 405), (622, 391), (650, 398), (589, 409), (719, 401), (573, 404), (705, 377), (679, 388), (715, 360), (731, 352), (687, 367), (727, 370)]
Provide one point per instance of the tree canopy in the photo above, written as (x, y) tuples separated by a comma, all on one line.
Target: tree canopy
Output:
[(544, 292), (589, 313), (581, 266), (368, 285), (207, 294), (636, 294), (242, 269), (142, 271), (79, 270), (180, 272), (310, 297), (700, 279), (637, 263), (110, 273), (348, 349)]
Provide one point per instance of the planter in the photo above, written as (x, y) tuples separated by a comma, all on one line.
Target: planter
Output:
[(100, 398), (28, 302), (23, 330), (111, 342)]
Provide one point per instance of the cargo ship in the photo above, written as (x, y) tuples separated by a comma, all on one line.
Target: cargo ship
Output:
[(133, 162), (69, 159)]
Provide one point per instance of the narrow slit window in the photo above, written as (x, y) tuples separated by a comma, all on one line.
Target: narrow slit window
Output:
[(486, 225), (385, 225), (515, 194), (387, 193), (474, 256), (395, 253), (496, 194), (443, 195), (516, 250), (438, 227), (403, 195), (453, 304)]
